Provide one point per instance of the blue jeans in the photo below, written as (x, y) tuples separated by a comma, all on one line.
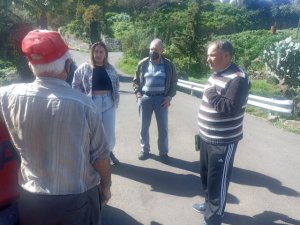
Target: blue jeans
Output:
[(106, 107), (148, 104)]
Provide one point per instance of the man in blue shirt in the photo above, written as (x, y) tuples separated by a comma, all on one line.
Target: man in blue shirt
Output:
[(154, 84)]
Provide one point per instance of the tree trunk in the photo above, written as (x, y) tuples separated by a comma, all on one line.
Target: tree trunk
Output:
[(189, 65), (43, 21), (94, 32), (298, 28)]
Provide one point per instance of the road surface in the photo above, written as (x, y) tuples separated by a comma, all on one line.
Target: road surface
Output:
[(265, 187)]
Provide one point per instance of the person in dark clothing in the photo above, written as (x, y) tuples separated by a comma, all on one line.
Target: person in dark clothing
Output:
[(73, 68), (220, 121)]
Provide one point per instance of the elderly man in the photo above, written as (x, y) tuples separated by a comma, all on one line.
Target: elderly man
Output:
[(59, 137), (220, 122), (154, 84)]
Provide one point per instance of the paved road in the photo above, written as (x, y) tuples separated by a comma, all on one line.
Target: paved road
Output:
[(265, 187)]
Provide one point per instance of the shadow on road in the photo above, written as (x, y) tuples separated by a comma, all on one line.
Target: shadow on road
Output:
[(265, 218), (252, 178), (180, 164), (231, 199), (166, 182), (115, 216), (155, 223), (186, 185)]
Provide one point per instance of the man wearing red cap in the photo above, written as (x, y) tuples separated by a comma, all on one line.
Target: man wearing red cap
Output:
[(59, 137)]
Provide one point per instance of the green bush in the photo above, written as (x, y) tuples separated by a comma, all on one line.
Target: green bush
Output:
[(128, 65), (227, 18), (76, 27), (5, 64), (6, 68), (249, 46)]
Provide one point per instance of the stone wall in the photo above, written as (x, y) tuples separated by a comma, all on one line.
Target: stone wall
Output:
[(112, 44)]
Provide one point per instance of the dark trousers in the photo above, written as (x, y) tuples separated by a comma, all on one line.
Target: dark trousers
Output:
[(75, 209), (216, 163)]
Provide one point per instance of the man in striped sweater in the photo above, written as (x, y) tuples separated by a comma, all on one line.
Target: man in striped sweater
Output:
[(220, 122)]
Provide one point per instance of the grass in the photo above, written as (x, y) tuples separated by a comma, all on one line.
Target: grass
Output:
[(280, 123), (257, 111), (128, 65), (264, 88), (292, 33), (202, 80)]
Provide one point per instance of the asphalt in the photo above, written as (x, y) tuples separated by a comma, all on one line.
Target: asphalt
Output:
[(265, 184)]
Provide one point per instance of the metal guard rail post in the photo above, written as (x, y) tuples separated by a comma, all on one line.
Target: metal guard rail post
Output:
[(280, 106)]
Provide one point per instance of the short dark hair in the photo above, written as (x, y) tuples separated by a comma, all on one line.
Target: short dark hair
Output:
[(102, 44), (224, 46)]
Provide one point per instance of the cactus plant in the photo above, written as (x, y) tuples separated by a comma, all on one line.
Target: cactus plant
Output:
[(283, 60)]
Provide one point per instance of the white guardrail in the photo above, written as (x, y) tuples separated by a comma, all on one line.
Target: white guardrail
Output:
[(280, 106)]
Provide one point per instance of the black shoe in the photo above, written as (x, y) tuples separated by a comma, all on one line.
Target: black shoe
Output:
[(114, 160), (144, 155), (164, 158), (199, 207)]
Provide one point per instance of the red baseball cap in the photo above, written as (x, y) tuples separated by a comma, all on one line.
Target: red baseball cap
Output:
[(43, 46)]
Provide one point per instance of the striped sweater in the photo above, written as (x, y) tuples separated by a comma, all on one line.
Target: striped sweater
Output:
[(221, 113)]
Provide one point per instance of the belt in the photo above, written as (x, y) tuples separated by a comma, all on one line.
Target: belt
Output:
[(157, 94)]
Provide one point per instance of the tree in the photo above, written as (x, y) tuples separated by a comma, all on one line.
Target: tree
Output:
[(7, 20), (42, 10), (236, 2), (92, 18), (189, 41), (103, 7), (135, 7), (296, 7)]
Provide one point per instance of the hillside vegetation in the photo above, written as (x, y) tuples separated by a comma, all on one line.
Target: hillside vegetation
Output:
[(186, 27)]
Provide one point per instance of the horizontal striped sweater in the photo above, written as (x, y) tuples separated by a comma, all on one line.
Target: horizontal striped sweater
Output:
[(221, 113)]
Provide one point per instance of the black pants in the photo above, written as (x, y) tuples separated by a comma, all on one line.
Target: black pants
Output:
[(75, 209), (216, 163)]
